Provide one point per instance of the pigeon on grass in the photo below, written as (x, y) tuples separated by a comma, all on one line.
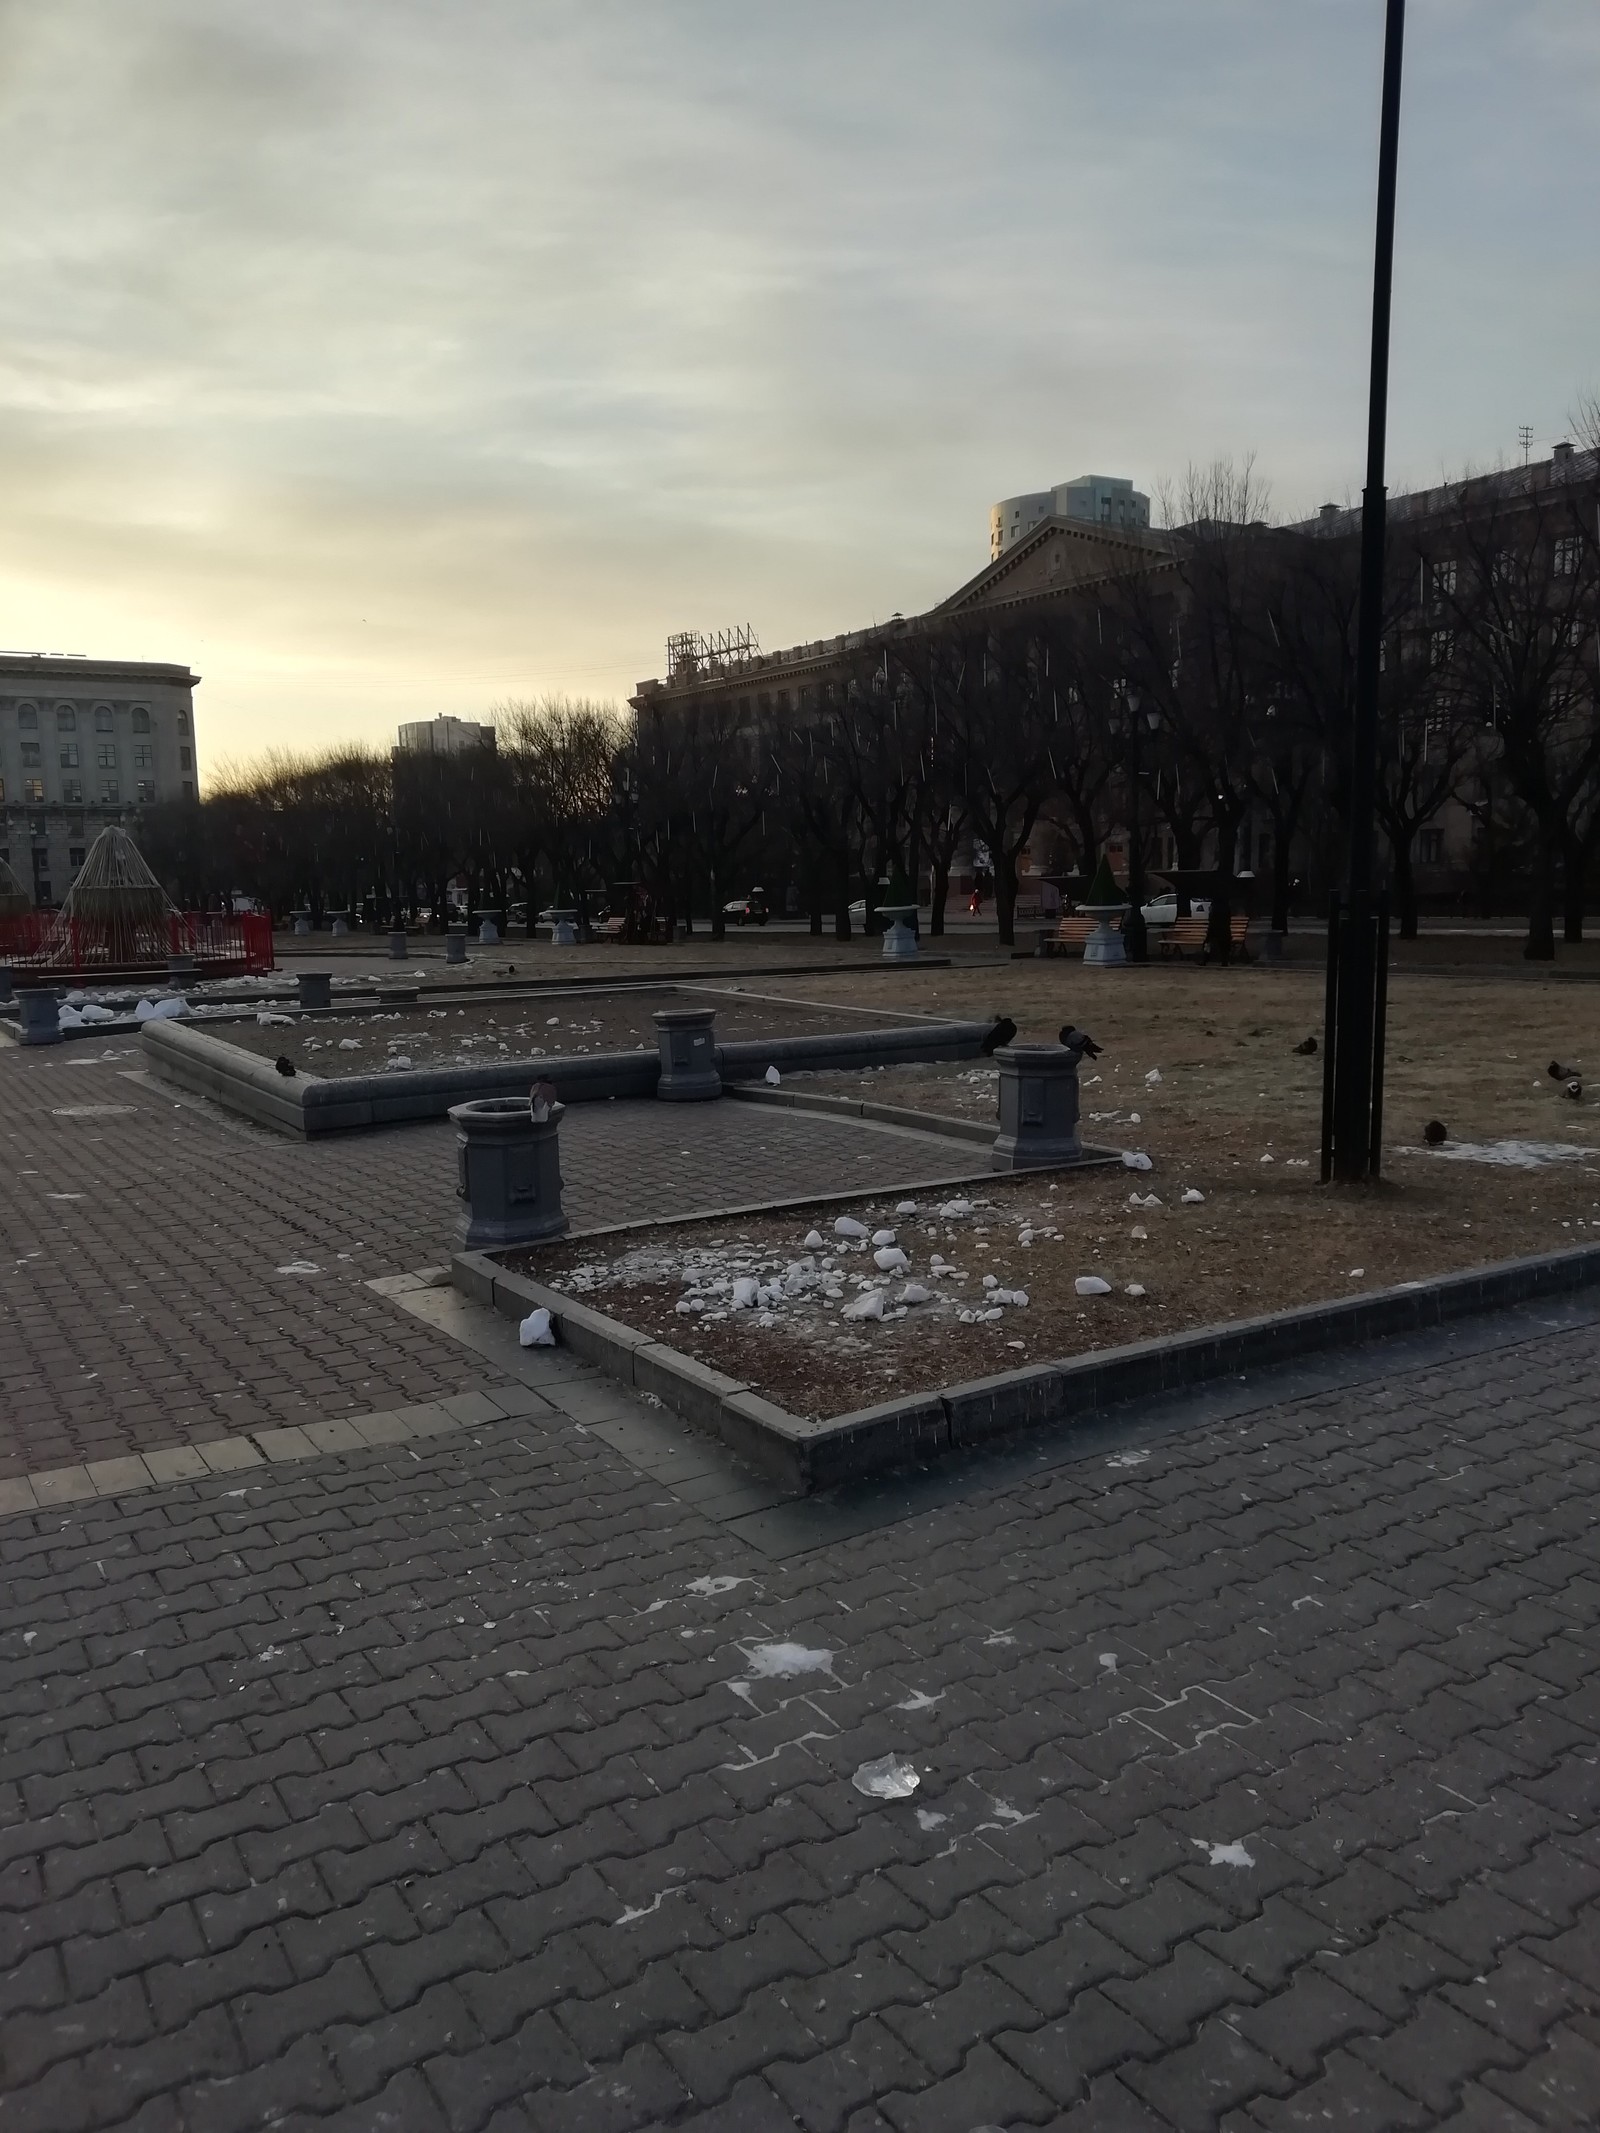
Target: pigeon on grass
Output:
[(1435, 1134), (1307, 1048), (1558, 1072)]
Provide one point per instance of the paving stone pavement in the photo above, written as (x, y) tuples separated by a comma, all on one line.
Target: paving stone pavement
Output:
[(483, 1782), (143, 1237)]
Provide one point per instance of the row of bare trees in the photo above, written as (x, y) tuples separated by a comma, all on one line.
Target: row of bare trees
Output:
[(1204, 699)]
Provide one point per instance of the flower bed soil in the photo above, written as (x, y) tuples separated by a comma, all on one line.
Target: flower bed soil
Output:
[(451, 1034), (1234, 1115)]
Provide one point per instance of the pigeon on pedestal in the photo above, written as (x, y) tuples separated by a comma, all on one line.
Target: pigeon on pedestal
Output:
[(1001, 1034), (1079, 1041)]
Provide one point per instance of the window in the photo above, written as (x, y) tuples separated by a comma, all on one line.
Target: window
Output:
[(41, 887), (1444, 581), (75, 856), (110, 794), (69, 755), (6, 856), (28, 717), (1430, 847), (183, 721), (186, 760), (66, 719), (31, 758), (33, 790), (105, 755), (1442, 647), (72, 791), (188, 790), (144, 756), (103, 720), (141, 718), (147, 791), (1569, 550)]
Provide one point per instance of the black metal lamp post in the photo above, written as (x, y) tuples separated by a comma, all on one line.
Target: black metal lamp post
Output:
[(1358, 923)]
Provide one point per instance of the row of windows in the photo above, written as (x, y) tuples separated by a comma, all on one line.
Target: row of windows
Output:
[(105, 756), (108, 795), (104, 718)]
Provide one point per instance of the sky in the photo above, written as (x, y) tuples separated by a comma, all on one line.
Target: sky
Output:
[(381, 358)]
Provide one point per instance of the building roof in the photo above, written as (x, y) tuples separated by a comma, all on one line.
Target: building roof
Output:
[(62, 666)]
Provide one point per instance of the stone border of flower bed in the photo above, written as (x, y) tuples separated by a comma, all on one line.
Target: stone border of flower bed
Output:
[(310, 1105), (809, 1455)]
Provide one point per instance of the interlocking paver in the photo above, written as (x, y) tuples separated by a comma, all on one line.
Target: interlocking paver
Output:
[(368, 1782)]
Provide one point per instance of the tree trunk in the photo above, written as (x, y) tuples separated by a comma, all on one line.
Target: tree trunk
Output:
[(1574, 868), (1405, 885), (1005, 893), (938, 893), (1540, 945), (1281, 877), (841, 896)]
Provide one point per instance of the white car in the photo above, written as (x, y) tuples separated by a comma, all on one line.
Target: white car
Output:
[(1162, 910)]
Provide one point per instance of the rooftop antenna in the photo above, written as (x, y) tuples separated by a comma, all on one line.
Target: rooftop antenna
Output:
[(1525, 439)]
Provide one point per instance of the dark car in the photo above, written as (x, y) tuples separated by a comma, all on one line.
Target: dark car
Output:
[(748, 910)]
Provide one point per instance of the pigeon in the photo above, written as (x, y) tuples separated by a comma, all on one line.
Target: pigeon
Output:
[(1305, 1050), (1558, 1072), (1434, 1134), (1002, 1033), (1079, 1041), (286, 1067), (1574, 1089), (541, 1099)]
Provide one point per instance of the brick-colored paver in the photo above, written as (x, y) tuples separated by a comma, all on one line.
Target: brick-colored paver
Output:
[(460, 1784), (142, 1237)]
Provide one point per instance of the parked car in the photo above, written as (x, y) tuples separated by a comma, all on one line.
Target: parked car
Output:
[(1162, 910), (748, 910)]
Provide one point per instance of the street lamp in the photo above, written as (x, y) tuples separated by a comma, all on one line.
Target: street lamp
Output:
[(1358, 924)]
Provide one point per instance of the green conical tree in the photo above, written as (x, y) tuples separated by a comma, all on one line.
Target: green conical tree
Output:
[(1103, 889)]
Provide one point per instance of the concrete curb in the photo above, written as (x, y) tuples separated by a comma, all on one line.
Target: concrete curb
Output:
[(805, 1455), (310, 1105), (955, 1129)]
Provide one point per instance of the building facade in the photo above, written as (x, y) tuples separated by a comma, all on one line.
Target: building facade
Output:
[(444, 736), (84, 743), (1093, 499)]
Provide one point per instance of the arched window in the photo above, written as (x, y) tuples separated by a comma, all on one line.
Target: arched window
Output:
[(141, 718), (66, 718), (104, 721), (28, 717)]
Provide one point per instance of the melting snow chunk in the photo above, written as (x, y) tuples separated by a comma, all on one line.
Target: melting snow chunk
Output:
[(1224, 1854), (773, 1077), (927, 1819), (814, 1242), (1128, 1459), (905, 1207), (848, 1226), (536, 1330), (889, 1259), (1192, 1198), (1134, 1159), (1092, 1285), (1152, 1080), (714, 1588), (869, 1305), (1135, 1288), (783, 1662), (889, 1777), (300, 1266)]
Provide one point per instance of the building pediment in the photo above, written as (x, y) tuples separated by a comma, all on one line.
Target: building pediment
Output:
[(1059, 554)]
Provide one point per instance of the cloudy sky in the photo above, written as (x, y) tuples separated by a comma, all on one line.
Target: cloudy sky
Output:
[(385, 357)]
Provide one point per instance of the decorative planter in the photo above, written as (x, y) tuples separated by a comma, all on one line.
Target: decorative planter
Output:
[(397, 944), (488, 930), (302, 922), (455, 945), (1105, 945), (563, 934), (509, 1173), (40, 1011), (341, 921), (899, 941), (686, 1039), (1038, 1107)]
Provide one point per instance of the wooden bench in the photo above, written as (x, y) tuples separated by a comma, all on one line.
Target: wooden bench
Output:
[(1187, 936), (1070, 933)]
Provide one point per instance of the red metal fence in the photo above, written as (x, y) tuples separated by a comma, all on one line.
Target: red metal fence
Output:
[(44, 941)]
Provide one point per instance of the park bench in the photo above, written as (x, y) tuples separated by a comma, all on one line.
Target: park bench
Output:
[(1071, 932), (1187, 936)]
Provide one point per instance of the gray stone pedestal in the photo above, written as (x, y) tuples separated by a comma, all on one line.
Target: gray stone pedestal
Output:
[(455, 945), (302, 922), (397, 944), (686, 1039), (341, 923), (182, 970), (564, 933), (40, 1010), (899, 942), (1038, 1107), (316, 987), (1105, 947), (488, 931), (508, 1173)]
